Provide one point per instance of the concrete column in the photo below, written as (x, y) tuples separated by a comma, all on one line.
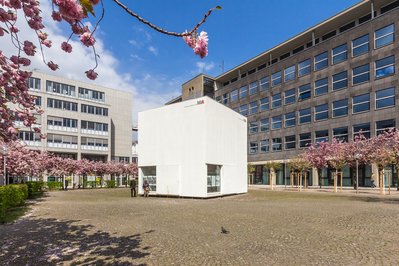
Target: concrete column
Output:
[(315, 177), (374, 176)]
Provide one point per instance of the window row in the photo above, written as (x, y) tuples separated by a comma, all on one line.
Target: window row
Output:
[(94, 142), (60, 104), (95, 110), (91, 95), (94, 126), (303, 140), (62, 122), (56, 87)]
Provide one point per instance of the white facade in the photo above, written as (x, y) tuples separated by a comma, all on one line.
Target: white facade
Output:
[(196, 148)]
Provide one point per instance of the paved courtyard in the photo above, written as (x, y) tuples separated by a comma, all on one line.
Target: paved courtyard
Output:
[(265, 227)]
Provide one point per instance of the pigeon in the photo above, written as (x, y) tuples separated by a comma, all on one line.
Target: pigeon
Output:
[(224, 231)]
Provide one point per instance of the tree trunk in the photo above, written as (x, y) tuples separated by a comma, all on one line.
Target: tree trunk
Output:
[(397, 177), (380, 177), (335, 180), (319, 173)]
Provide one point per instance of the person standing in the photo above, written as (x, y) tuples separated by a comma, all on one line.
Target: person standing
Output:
[(146, 188), (133, 188)]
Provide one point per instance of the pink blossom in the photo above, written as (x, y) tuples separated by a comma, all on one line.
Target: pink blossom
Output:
[(56, 16), (1, 32), (52, 66), (47, 43), (29, 48), (66, 47), (14, 29), (201, 46), (42, 36), (12, 130), (189, 40), (91, 74), (87, 39)]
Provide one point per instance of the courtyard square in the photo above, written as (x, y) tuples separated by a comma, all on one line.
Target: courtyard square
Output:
[(106, 226)]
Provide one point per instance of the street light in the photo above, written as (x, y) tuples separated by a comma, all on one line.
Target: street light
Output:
[(357, 157), (4, 149)]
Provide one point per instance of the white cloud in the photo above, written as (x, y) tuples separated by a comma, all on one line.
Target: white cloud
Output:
[(153, 50), (81, 59), (204, 66)]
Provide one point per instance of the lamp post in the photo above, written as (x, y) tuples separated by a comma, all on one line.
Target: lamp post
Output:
[(4, 149), (357, 157)]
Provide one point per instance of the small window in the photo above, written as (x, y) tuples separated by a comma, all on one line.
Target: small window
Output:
[(234, 96), (360, 74), (385, 67), (305, 140), (329, 35), (305, 116), (284, 56), (347, 26), (340, 108), (299, 49), (253, 127), (276, 78), (321, 136), (276, 100), (290, 142), (384, 36), (361, 103), (341, 134), (264, 125), (385, 98), (340, 54), (253, 88), (360, 45), (304, 92), (363, 129), (290, 119), (321, 112), (243, 92), (277, 144), (225, 98), (264, 146), (276, 122), (340, 80), (289, 96), (384, 125), (253, 147), (253, 107), (321, 86), (304, 68), (252, 71), (264, 84), (264, 104), (244, 109), (289, 73), (321, 61), (389, 7)]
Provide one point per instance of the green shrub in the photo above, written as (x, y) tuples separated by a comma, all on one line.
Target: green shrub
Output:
[(35, 189), (110, 183), (12, 196), (91, 184), (54, 185)]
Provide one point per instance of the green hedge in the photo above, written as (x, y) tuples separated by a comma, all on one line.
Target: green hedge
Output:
[(54, 185), (11, 196), (110, 183), (35, 189)]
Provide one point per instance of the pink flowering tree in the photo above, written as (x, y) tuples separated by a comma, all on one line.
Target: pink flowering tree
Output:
[(337, 158), (316, 155), (358, 152), (74, 13), (130, 169)]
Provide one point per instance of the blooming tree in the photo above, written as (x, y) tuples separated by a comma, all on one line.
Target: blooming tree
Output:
[(14, 97), (316, 155), (337, 158)]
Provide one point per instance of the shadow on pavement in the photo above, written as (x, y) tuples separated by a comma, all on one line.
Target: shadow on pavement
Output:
[(50, 241)]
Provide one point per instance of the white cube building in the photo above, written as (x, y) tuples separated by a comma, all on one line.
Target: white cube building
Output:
[(196, 148)]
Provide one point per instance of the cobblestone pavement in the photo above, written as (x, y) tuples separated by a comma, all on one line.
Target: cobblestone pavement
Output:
[(86, 227)]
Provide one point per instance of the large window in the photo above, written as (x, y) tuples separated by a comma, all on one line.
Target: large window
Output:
[(150, 175), (384, 125), (253, 87), (276, 100), (289, 73), (62, 122), (277, 144), (97, 126), (360, 74), (304, 68), (289, 96), (62, 139), (225, 98), (253, 107), (360, 45), (340, 80), (253, 127), (321, 61), (305, 140), (304, 92), (94, 142), (59, 104), (276, 78), (38, 100), (385, 67), (290, 142), (305, 116), (384, 36), (264, 146), (29, 136), (340, 108), (60, 88), (95, 110), (340, 54), (33, 83), (385, 98), (363, 129), (361, 103), (264, 104), (321, 136), (290, 119), (91, 95), (321, 86), (341, 133), (264, 125), (264, 83), (253, 147), (243, 92), (276, 122), (234, 96), (244, 109), (321, 112)]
